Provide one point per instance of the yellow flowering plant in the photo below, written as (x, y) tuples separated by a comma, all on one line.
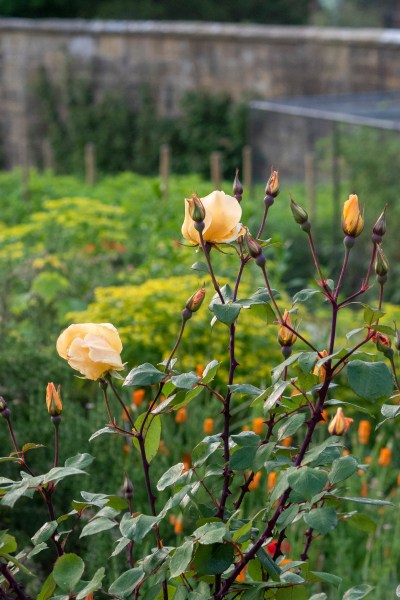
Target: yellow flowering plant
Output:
[(237, 501)]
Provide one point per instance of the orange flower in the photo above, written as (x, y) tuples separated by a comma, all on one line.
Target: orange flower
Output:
[(364, 489), (172, 519), (258, 424), (339, 424), (242, 575), (352, 221), (321, 371), (199, 370), (287, 442), (208, 426), (253, 485), (368, 460), (398, 479), (187, 461), (364, 431), (53, 400), (272, 477), (126, 448), (385, 457), (178, 527), (324, 416), (181, 415), (138, 397), (286, 337), (345, 452), (245, 428)]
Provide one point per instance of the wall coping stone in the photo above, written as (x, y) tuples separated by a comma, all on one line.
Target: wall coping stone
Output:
[(226, 31)]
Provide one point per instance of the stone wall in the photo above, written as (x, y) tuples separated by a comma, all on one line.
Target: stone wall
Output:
[(247, 61)]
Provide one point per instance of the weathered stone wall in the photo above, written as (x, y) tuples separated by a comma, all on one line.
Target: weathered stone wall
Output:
[(247, 61)]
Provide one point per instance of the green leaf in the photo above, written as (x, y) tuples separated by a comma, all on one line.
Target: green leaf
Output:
[(170, 477), (370, 381), (68, 571), (59, 473), (79, 461), (126, 583), (44, 533), (226, 313), (272, 396), (210, 371), (307, 482), (269, 565), (244, 388), (383, 329), (93, 585), (145, 374), (305, 295), (390, 411), (213, 559), (243, 458), (277, 372), (371, 501), (322, 519), (342, 468), (210, 533), (334, 402), (30, 446), (97, 525), (307, 361), (371, 314), (102, 431), (200, 266), (185, 380), (262, 455), (358, 592), (321, 596), (181, 559), (136, 528), (47, 588), (362, 522), (327, 577), (287, 517), (8, 544), (291, 425), (246, 438), (152, 435), (37, 549), (205, 449), (15, 493), (242, 531)]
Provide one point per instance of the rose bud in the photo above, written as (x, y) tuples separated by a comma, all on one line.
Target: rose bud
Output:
[(196, 208), (196, 300), (381, 265), (286, 337), (299, 214), (128, 488), (339, 424), (383, 343), (4, 410), (53, 400), (352, 220), (272, 187), (253, 247), (237, 187), (379, 229)]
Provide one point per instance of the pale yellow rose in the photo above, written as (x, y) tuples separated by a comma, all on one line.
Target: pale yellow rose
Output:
[(221, 223), (90, 348), (352, 221)]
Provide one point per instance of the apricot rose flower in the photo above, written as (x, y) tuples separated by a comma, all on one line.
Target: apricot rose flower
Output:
[(221, 221), (92, 349)]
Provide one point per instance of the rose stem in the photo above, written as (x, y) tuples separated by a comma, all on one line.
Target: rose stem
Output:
[(268, 201), (104, 384), (122, 403), (178, 341), (316, 262), (394, 372), (344, 265), (210, 269), (56, 442), (364, 285), (16, 587)]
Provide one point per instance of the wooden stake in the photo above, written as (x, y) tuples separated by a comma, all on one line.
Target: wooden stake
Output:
[(165, 160), (90, 164), (247, 168)]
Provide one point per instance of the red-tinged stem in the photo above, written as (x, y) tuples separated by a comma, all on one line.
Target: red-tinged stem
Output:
[(122, 403), (56, 443), (104, 384), (364, 285), (210, 269), (316, 262), (214, 500), (346, 356), (394, 372), (309, 539), (380, 296), (268, 201), (16, 587), (342, 272), (178, 341)]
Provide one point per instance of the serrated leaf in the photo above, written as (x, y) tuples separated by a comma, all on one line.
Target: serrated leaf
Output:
[(68, 571), (322, 519), (145, 374), (126, 583)]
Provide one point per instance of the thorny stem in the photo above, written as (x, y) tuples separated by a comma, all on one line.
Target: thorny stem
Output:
[(309, 539), (178, 341), (206, 252), (16, 587)]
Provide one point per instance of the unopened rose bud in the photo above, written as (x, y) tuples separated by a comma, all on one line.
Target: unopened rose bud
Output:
[(196, 209), (253, 247), (128, 488), (195, 301), (379, 229), (299, 214), (272, 187), (352, 220), (53, 400), (286, 337), (4, 410), (237, 187), (383, 343), (381, 265), (339, 424)]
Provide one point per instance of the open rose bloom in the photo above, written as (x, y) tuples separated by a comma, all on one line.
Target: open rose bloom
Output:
[(222, 220), (92, 349)]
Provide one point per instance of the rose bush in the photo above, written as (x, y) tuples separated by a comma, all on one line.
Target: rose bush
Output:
[(221, 221), (92, 349)]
